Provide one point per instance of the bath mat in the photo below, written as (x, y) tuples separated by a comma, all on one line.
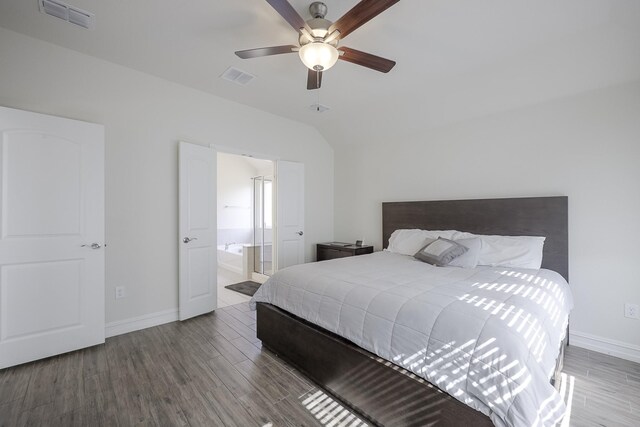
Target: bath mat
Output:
[(247, 288)]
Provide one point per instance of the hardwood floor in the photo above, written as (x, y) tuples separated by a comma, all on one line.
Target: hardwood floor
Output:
[(212, 371), (606, 391)]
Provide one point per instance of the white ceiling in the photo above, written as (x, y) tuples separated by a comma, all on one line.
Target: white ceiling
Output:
[(457, 59)]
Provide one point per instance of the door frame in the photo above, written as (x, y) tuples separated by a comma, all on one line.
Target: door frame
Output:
[(261, 156)]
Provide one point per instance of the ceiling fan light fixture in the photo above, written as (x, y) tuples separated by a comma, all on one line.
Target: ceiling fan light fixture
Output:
[(318, 56)]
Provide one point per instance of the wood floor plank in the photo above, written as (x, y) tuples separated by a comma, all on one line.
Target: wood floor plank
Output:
[(244, 307), (229, 408), (196, 408), (117, 351), (294, 384), (227, 349), (272, 355), (239, 327), (167, 412), (132, 401), (75, 418), (214, 322), (68, 391), (263, 381), (605, 374), (42, 383), (94, 360), (14, 383), (43, 415), (201, 376), (252, 353), (100, 400), (605, 418), (229, 375), (613, 362), (9, 414), (246, 318), (263, 411)]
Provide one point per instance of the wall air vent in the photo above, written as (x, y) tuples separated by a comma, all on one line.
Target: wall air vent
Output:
[(68, 13), (237, 76)]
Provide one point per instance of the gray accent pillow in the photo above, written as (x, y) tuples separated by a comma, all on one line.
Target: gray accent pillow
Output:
[(440, 252), (470, 258)]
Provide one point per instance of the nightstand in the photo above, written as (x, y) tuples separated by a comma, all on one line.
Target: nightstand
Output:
[(335, 250)]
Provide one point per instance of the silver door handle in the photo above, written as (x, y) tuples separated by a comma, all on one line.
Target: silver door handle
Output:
[(300, 233), (188, 239), (92, 246)]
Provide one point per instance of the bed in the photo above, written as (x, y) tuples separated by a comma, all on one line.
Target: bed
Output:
[(401, 341)]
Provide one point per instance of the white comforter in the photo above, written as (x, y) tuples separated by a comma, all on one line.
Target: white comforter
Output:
[(488, 336)]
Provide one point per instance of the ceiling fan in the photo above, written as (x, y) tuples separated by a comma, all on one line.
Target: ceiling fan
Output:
[(318, 38)]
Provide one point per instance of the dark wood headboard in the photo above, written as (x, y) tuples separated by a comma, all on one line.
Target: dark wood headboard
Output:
[(531, 216)]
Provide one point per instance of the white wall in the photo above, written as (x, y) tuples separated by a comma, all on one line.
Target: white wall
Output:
[(586, 147), (144, 117)]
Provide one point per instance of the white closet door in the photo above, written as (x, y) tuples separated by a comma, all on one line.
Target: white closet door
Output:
[(197, 224), (51, 236), (290, 213)]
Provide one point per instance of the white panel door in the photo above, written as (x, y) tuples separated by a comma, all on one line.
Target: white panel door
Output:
[(290, 213), (51, 236), (197, 224)]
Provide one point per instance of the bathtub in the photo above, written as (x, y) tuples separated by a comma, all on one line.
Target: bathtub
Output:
[(231, 257)]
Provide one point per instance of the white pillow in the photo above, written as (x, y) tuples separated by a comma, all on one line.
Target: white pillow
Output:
[(408, 242), (509, 251), (470, 258)]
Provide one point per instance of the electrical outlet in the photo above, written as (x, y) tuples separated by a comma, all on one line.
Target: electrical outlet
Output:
[(631, 311), (120, 292)]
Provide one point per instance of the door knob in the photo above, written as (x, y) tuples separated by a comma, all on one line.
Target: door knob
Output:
[(188, 239), (92, 246), (300, 233)]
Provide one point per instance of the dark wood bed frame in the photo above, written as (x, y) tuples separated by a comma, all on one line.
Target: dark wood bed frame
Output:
[(381, 392)]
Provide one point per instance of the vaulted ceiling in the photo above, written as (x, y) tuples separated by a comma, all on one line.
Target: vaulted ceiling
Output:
[(456, 59)]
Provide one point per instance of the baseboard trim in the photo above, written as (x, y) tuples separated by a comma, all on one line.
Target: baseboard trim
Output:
[(608, 346), (141, 322)]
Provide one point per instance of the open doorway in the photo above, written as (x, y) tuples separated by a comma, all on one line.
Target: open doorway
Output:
[(245, 228)]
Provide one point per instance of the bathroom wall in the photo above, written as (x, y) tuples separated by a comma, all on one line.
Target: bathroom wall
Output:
[(235, 195)]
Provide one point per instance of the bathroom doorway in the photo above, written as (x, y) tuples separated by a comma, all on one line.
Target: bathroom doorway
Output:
[(245, 222)]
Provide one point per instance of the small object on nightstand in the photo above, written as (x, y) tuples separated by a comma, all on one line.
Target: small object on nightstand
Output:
[(333, 250), (358, 242)]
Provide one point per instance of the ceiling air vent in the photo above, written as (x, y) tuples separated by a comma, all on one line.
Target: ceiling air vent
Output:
[(235, 75), (68, 13)]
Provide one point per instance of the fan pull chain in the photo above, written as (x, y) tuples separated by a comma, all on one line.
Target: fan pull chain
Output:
[(318, 86)]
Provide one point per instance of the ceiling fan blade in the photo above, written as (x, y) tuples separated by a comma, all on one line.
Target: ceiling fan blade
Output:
[(265, 51), (314, 79), (366, 60), (361, 13), (284, 8)]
